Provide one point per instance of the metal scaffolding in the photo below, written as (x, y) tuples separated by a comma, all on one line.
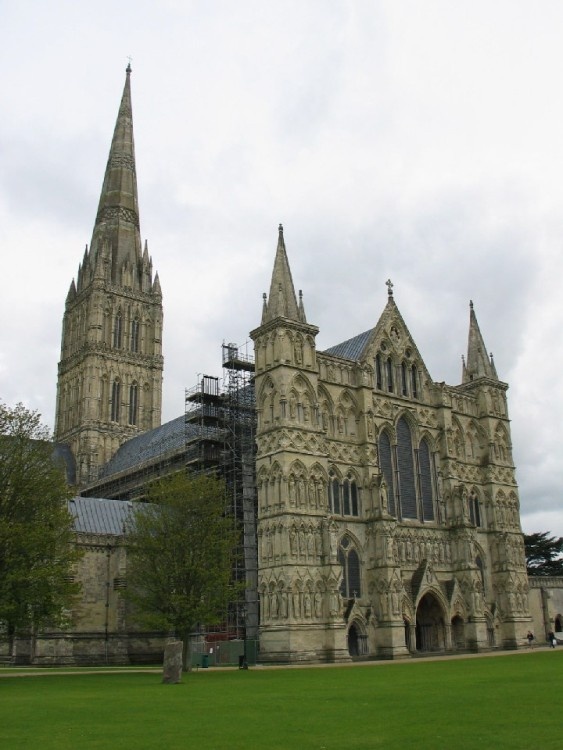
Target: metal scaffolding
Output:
[(238, 469), (220, 436)]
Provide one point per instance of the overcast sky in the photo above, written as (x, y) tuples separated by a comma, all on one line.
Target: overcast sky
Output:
[(417, 141)]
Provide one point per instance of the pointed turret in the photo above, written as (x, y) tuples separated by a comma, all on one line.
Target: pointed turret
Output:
[(282, 302), (117, 220), (478, 364)]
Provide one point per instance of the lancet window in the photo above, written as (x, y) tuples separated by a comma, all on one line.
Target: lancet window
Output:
[(351, 579), (133, 404), (409, 474), (474, 512), (115, 401), (135, 335), (343, 495), (118, 331)]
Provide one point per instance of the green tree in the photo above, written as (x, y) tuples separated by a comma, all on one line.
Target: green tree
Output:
[(36, 530), (180, 556), (544, 554)]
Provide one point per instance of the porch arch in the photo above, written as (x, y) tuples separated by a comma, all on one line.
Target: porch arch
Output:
[(430, 629)]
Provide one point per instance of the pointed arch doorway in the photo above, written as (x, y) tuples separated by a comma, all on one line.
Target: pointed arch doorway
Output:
[(430, 629)]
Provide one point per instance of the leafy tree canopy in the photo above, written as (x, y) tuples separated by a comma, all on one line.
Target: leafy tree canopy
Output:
[(180, 554), (544, 554), (36, 529)]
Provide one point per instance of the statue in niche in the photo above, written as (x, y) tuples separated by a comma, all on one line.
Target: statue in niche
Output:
[(292, 406), (298, 351), (318, 542), (284, 605), (307, 604), (318, 604), (291, 491), (383, 497), (274, 605), (296, 605), (333, 541), (310, 545), (293, 542), (334, 604)]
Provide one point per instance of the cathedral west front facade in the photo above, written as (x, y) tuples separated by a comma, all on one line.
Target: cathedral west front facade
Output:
[(387, 510)]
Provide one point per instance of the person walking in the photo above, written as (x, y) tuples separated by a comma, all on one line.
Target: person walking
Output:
[(551, 639), (530, 639)]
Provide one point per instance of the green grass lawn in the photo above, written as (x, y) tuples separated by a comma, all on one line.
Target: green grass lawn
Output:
[(498, 702)]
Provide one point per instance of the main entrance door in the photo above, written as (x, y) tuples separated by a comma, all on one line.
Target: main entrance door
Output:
[(430, 630)]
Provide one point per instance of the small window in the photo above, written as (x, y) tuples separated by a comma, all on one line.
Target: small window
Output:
[(133, 404), (389, 367), (135, 335), (414, 382), (350, 586), (117, 331), (474, 514), (404, 380), (115, 401), (378, 372), (334, 494)]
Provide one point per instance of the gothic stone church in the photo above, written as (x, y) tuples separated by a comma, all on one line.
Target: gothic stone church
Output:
[(387, 503), (387, 506)]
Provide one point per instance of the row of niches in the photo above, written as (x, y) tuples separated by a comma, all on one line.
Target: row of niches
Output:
[(299, 600), (472, 443), (285, 346), (493, 402)]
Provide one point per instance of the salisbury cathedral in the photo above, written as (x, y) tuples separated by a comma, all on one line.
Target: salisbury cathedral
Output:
[(385, 504)]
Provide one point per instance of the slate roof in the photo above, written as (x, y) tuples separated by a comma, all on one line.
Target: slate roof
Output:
[(352, 348), (168, 437), (96, 515)]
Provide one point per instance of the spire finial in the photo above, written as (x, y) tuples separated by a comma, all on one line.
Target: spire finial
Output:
[(389, 285), (280, 229), (128, 69), (471, 304)]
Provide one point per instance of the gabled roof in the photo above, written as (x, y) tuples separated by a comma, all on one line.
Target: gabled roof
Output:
[(95, 515), (352, 348), (390, 329)]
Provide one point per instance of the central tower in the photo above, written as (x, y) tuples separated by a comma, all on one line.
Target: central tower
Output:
[(110, 372)]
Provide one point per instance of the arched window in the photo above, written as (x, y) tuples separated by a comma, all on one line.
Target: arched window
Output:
[(386, 463), (133, 404), (404, 380), (351, 578), (474, 514), (349, 497), (425, 477), (389, 368), (117, 331), (135, 335), (405, 467), (334, 494), (378, 372), (414, 382), (115, 400)]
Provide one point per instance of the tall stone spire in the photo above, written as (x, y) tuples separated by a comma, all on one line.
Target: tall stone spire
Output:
[(479, 364), (282, 302), (110, 372), (117, 219)]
